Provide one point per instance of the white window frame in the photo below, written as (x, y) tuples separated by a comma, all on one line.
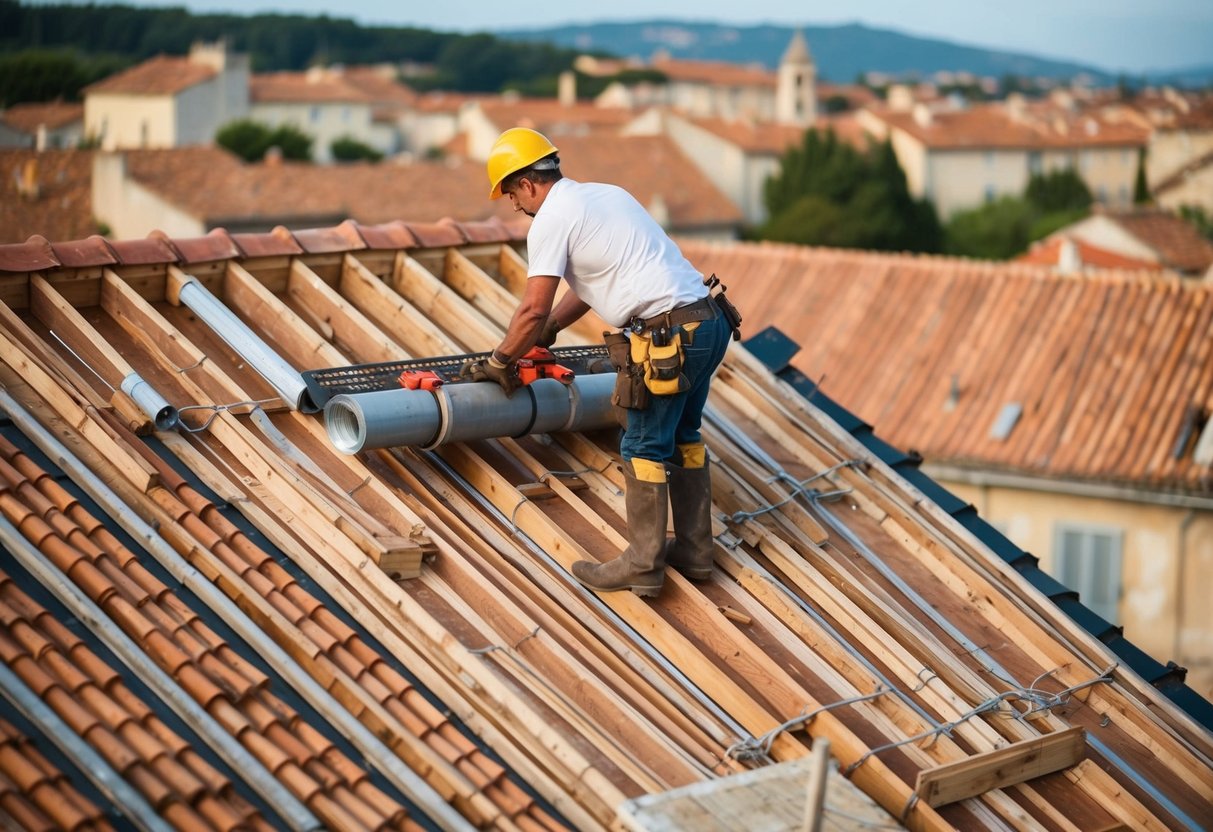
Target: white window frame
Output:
[(1100, 590)]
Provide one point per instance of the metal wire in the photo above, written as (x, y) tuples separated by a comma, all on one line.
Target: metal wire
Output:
[(752, 748), (1044, 700), (220, 408)]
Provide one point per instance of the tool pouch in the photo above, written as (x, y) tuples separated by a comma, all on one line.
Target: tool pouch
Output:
[(659, 354), (726, 307), (630, 391)]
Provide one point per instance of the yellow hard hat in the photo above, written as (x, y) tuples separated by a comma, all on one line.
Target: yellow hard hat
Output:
[(515, 149)]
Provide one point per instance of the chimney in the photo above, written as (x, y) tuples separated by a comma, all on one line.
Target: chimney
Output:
[(41, 138), (1069, 261), (27, 180), (922, 115), (273, 157), (566, 88)]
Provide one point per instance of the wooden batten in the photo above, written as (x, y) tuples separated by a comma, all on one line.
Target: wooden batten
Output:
[(1001, 768), (477, 288)]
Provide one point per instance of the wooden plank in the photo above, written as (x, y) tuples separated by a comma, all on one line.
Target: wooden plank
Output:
[(61, 317), (443, 311), (345, 324), (477, 288), (1002, 767), (46, 356), (75, 415), (246, 295)]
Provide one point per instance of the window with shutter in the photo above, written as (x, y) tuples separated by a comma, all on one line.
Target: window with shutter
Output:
[(1088, 559)]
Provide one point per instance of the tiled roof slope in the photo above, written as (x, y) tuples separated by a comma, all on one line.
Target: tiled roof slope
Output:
[(649, 167), (61, 209), (316, 86), (161, 75), (394, 591), (1179, 245), (1107, 368), (1048, 252), (29, 117), (717, 73), (553, 118), (994, 126)]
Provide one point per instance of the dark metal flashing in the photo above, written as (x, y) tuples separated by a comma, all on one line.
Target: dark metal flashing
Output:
[(775, 350)]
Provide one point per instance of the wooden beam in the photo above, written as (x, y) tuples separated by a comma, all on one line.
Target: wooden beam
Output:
[(1002, 767), (477, 288), (437, 309), (344, 323)]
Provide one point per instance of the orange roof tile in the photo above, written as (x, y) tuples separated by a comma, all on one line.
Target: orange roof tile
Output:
[(1179, 245), (649, 167), (61, 209), (716, 73), (887, 333), (993, 126), (554, 119), (162, 75), (312, 86), (54, 114), (1048, 253)]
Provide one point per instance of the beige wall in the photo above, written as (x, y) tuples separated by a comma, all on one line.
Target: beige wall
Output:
[(1170, 150), (324, 122), (130, 121), (1166, 603), (740, 176), (958, 180), (131, 210), (1196, 189)]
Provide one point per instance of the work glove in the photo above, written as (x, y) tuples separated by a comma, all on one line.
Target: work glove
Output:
[(547, 335), (490, 369)]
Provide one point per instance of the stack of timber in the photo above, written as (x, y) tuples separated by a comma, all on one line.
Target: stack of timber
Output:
[(393, 639)]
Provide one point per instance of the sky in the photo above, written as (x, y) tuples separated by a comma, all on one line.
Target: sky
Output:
[(1115, 35)]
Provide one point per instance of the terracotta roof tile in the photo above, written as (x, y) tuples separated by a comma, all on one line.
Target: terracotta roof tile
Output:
[(1179, 245), (317, 85), (715, 73), (79, 254), (35, 254), (752, 136), (653, 170), (553, 119), (994, 126), (890, 331), (492, 230), (436, 234), (1048, 253), (273, 244), (389, 235), (216, 245), (143, 252), (344, 237), (27, 118), (162, 75)]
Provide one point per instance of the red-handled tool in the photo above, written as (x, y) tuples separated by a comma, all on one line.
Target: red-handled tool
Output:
[(420, 380), (539, 363)]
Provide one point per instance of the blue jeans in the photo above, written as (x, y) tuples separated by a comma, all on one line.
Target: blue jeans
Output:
[(669, 421)]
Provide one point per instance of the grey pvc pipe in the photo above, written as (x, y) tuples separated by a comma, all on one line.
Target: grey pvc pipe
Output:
[(163, 415), (99, 772), (371, 747), (463, 412), (256, 353)]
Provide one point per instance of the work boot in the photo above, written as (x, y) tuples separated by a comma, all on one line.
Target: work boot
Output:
[(690, 552), (641, 567)]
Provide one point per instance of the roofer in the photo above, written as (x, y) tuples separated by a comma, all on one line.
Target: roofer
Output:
[(619, 262)]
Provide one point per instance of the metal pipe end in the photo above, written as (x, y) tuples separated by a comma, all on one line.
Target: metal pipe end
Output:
[(345, 426)]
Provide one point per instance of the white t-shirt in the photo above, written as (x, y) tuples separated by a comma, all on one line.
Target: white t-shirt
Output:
[(614, 256)]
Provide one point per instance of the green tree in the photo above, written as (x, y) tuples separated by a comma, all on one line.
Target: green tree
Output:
[(1059, 190), (830, 193), (996, 231), (349, 149), (251, 140), (246, 138), (1141, 188)]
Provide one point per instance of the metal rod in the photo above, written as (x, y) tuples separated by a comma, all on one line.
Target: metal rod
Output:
[(247, 344)]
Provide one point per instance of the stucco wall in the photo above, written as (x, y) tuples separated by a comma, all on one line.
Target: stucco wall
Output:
[(1170, 150), (1167, 563), (130, 121), (132, 211), (323, 122)]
